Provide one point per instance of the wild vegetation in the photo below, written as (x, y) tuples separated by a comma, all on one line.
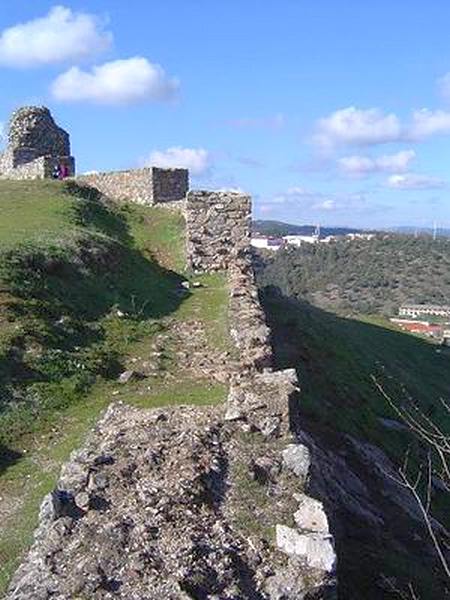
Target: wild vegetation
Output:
[(278, 228), (364, 276), (360, 376), (88, 289)]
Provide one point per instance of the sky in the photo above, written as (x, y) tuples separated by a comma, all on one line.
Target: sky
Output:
[(327, 111)]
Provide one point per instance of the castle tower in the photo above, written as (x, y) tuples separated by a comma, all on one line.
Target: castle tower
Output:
[(35, 145)]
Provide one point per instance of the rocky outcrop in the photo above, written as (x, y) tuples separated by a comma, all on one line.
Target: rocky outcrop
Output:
[(204, 503)]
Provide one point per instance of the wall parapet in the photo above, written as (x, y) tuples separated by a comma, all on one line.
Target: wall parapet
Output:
[(217, 228), (150, 185)]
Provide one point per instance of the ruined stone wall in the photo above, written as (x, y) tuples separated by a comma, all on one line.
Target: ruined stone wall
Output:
[(144, 186), (34, 127), (135, 185), (39, 168), (169, 185), (35, 145), (217, 228), (172, 502)]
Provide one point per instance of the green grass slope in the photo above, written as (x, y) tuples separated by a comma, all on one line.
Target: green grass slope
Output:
[(336, 359), (86, 286)]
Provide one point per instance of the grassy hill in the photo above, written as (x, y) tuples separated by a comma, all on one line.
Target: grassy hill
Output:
[(362, 276), (336, 359), (88, 289)]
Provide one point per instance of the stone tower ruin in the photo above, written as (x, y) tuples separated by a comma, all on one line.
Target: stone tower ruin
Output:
[(35, 145)]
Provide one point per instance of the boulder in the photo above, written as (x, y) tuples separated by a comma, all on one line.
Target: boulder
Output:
[(297, 459), (316, 550)]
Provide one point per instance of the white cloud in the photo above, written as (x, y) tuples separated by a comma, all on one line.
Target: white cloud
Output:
[(359, 166), (414, 181), (118, 82), (273, 122), (317, 202), (197, 160), (427, 122), (360, 127), (60, 36)]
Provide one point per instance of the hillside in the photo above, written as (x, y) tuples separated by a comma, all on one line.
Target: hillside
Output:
[(368, 277), (278, 228), (90, 290), (310, 295)]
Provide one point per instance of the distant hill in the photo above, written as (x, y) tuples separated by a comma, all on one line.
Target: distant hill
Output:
[(278, 228), (335, 359), (409, 229), (363, 276)]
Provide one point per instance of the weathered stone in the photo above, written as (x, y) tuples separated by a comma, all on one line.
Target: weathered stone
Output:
[(218, 228), (297, 459), (316, 550), (145, 186), (36, 145), (126, 376), (82, 500), (310, 515)]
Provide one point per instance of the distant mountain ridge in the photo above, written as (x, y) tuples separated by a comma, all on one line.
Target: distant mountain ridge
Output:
[(279, 228), (409, 229)]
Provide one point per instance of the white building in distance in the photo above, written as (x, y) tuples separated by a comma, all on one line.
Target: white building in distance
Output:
[(417, 310)]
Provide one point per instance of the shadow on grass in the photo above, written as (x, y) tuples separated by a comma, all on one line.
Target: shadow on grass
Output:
[(75, 300), (335, 358), (94, 210), (8, 457)]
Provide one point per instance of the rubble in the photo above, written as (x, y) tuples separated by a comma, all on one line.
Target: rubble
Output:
[(190, 502)]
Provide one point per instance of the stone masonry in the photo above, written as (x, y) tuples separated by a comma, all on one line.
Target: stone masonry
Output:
[(35, 145), (218, 228), (173, 502), (145, 186)]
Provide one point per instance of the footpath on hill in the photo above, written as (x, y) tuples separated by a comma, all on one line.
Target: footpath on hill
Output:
[(176, 358), (186, 502)]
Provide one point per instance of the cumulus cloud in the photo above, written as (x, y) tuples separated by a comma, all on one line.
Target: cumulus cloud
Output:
[(414, 181), (369, 127), (60, 36), (360, 166), (272, 122), (317, 202), (426, 123), (360, 127), (197, 160), (117, 82)]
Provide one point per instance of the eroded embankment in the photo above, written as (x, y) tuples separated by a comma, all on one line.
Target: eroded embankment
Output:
[(190, 502)]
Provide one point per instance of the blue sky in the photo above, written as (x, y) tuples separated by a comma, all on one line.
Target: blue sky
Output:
[(328, 111)]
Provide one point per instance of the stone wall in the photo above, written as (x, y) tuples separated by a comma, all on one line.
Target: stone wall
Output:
[(144, 186), (217, 228), (35, 145), (174, 502), (39, 168)]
